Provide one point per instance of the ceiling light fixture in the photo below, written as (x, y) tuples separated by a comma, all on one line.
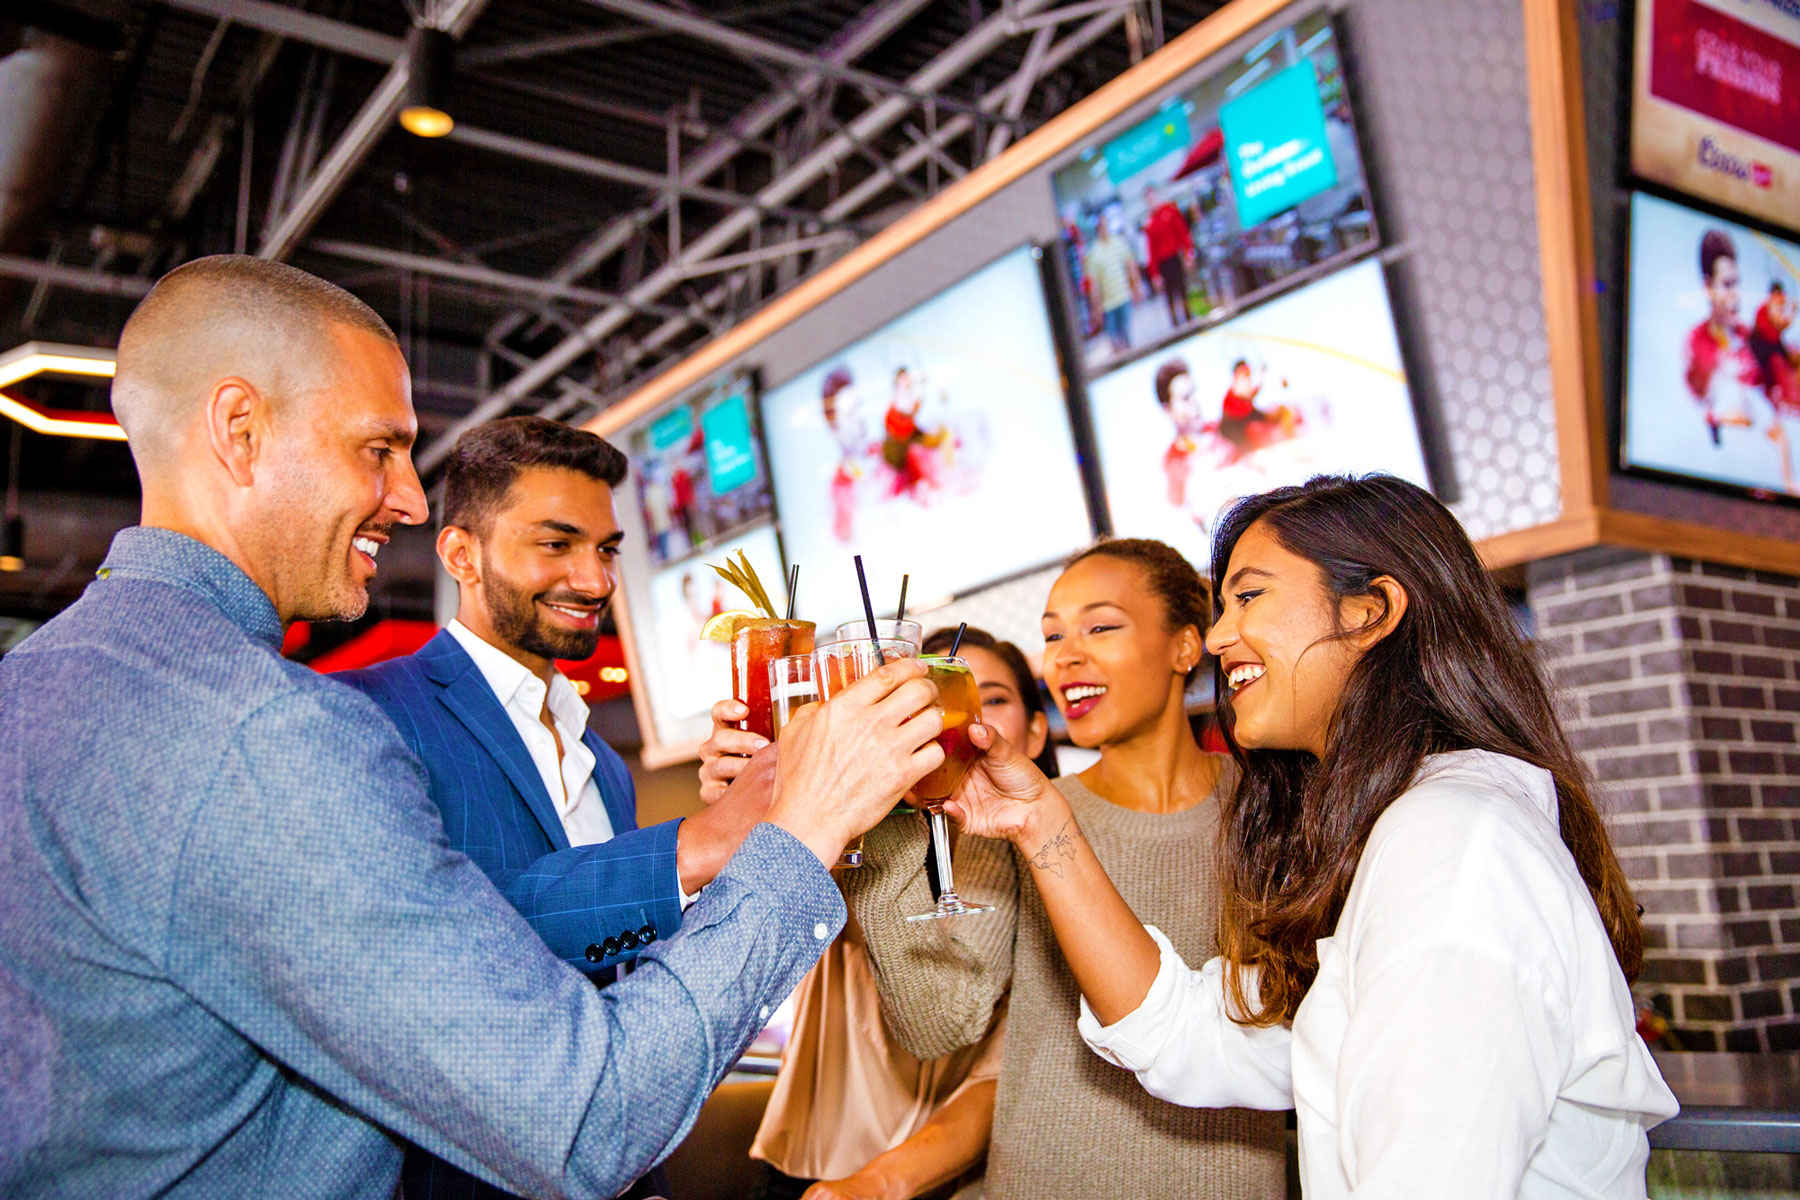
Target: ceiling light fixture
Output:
[(430, 60), (55, 358), (12, 544)]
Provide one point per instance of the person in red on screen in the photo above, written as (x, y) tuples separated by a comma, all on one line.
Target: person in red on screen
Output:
[(908, 449), (1778, 362), (1719, 363), (1245, 427), (1171, 245)]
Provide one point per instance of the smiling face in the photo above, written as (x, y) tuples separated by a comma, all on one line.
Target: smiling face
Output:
[(1275, 642), (340, 478), (1113, 664), (538, 582)]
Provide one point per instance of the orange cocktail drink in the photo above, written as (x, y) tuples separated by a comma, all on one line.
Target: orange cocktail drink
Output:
[(960, 702)]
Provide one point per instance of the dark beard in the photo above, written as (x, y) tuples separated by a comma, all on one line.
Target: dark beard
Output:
[(519, 624)]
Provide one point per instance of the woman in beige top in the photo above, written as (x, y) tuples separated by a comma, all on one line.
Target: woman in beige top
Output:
[(1123, 636), (851, 1108)]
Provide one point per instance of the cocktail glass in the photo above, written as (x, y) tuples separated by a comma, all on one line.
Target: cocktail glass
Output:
[(793, 684), (960, 702), (837, 665), (900, 631), (754, 644)]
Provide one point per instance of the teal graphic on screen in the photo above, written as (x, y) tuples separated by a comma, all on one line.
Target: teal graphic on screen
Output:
[(672, 429), (1162, 135), (1275, 143), (730, 457)]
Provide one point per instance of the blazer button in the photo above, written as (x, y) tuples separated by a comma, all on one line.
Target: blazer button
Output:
[(629, 940), (611, 946), (595, 953), (646, 935)]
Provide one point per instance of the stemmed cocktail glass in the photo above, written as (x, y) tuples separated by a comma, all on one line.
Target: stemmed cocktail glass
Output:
[(960, 702)]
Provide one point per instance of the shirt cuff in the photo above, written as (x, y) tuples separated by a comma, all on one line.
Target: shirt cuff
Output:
[(1135, 1039)]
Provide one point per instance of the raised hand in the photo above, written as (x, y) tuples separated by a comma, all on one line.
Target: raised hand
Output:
[(725, 754), (845, 762), (1004, 795)]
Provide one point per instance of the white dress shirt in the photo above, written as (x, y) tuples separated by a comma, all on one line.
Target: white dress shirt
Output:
[(570, 782), (1469, 1033)]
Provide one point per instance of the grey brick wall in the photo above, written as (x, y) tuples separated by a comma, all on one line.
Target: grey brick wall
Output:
[(1680, 683)]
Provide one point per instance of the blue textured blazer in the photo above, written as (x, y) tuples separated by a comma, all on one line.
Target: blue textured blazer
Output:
[(594, 906)]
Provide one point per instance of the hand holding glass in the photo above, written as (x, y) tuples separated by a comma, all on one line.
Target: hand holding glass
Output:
[(837, 665)]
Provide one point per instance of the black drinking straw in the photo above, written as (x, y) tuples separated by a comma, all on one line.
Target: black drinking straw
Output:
[(862, 581), (957, 640), (900, 613), (793, 586)]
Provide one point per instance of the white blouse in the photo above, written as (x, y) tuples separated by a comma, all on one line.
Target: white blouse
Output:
[(1469, 1033)]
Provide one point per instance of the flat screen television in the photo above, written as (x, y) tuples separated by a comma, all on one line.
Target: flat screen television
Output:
[(1715, 103), (677, 677), (939, 446), (697, 469), (1238, 184), (1712, 360), (1311, 382)]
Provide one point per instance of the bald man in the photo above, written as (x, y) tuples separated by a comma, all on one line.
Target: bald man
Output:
[(237, 956)]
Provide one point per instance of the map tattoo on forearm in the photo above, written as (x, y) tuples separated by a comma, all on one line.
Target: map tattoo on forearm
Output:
[(1059, 851)]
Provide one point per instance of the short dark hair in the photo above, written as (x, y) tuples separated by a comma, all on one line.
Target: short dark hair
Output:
[(1166, 375), (1714, 245), (1184, 596), (487, 459)]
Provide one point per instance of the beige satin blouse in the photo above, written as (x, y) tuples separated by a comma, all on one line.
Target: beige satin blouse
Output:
[(846, 1092)]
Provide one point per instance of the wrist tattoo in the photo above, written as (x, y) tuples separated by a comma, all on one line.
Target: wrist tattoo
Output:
[(1057, 853)]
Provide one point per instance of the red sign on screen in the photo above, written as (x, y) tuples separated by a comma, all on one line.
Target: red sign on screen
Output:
[(1722, 68)]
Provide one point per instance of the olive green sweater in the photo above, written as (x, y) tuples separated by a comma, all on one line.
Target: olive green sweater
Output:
[(1067, 1125)]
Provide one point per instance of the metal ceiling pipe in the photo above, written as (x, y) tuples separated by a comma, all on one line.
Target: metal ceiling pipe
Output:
[(957, 58), (911, 159), (868, 30), (47, 91)]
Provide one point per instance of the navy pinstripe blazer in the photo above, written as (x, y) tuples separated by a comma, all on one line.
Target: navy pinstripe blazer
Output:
[(594, 906)]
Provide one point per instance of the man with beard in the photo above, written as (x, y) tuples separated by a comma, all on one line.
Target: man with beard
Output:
[(237, 955), (527, 791)]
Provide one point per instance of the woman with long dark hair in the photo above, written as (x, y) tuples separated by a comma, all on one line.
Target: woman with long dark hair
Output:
[(1123, 630), (1426, 939)]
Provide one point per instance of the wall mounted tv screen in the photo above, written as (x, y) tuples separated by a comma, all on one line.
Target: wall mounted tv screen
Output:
[(1712, 362), (1715, 103), (938, 446), (698, 469), (1310, 382), (1242, 180)]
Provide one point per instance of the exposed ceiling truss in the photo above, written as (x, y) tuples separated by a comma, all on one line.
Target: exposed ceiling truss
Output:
[(672, 207)]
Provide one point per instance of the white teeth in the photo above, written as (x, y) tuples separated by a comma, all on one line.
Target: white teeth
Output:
[(368, 546), (1076, 695), (1244, 673), (578, 614)]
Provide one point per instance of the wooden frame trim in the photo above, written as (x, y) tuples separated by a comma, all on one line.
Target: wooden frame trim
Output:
[(1060, 134), (1566, 250)]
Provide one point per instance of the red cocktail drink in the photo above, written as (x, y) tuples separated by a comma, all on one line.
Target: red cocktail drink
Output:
[(754, 645)]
